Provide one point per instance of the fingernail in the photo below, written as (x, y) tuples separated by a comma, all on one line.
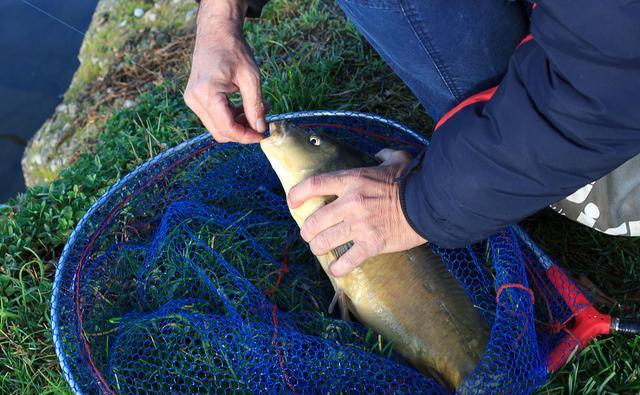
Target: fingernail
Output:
[(261, 126), (332, 270)]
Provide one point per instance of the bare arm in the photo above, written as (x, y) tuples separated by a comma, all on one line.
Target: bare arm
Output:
[(223, 64)]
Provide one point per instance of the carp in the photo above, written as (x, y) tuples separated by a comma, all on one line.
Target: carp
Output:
[(408, 297)]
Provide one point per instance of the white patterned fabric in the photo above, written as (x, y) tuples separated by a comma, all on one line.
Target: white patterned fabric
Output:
[(611, 204)]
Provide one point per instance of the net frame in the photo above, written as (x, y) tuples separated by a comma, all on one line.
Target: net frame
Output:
[(114, 199), (200, 143)]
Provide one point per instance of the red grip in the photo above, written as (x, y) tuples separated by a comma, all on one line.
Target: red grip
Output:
[(588, 323), (572, 296), (561, 353)]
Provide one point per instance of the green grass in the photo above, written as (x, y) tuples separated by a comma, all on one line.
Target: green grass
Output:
[(310, 58)]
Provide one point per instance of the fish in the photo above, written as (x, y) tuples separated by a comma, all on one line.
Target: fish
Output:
[(409, 297)]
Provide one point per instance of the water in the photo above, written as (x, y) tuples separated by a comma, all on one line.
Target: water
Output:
[(38, 58)]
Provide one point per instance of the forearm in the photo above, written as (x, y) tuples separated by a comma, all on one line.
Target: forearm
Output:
[(232, 10), (235, 8), (220, 19), (223, 64)]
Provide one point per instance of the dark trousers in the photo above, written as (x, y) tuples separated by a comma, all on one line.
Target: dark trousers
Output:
[(444, 50)]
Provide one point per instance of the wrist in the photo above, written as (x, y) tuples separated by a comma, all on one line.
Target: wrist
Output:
[(227, 11)]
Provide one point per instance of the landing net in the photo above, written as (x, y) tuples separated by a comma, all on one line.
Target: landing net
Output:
[(188, 276)]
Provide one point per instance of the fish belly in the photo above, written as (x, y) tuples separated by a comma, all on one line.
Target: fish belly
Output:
[(412, 300)]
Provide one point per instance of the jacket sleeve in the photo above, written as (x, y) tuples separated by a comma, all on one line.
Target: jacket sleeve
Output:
[(255, 8), (566, 113)]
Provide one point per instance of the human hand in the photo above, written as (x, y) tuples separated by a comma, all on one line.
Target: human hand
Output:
[(367, 212), (223, 64)]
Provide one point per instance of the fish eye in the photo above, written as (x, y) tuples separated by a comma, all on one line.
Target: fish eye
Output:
[(314, 140)]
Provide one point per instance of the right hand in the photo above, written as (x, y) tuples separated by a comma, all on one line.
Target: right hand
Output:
[(223, 64)]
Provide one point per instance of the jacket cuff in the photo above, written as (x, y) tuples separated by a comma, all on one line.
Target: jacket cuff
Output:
[(414, 166), (417, 209), (255, 8)]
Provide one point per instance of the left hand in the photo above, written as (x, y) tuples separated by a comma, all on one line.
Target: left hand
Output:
[(367, 211)]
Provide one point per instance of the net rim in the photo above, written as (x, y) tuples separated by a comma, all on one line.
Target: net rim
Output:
[(102, 201)]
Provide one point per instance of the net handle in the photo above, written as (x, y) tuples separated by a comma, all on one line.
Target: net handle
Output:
[(588, 322)]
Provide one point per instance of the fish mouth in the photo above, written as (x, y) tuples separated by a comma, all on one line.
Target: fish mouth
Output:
[(277, 133)]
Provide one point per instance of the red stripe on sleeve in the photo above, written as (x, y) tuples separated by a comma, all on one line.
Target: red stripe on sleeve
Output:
[(528, 38), (478, 97)]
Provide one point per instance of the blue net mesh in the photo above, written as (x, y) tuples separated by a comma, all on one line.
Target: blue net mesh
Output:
[(188, 277)]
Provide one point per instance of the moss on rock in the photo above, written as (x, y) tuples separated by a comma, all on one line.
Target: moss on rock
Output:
[(116, 39)]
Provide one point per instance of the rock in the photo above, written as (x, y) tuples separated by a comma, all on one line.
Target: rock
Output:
[(72, 109), (37, 159), (41, 155), (65, 135), (150, 16)]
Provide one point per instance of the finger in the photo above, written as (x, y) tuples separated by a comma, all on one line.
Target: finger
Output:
[(249, 84), (218, 114), (224, 123), (323, 218), (193, 102), (349, 261), (329, 184), (330, 238), (205, 118), (390, 156)]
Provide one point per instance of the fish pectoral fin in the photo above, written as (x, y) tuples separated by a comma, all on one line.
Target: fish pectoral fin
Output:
[(342, 300)]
